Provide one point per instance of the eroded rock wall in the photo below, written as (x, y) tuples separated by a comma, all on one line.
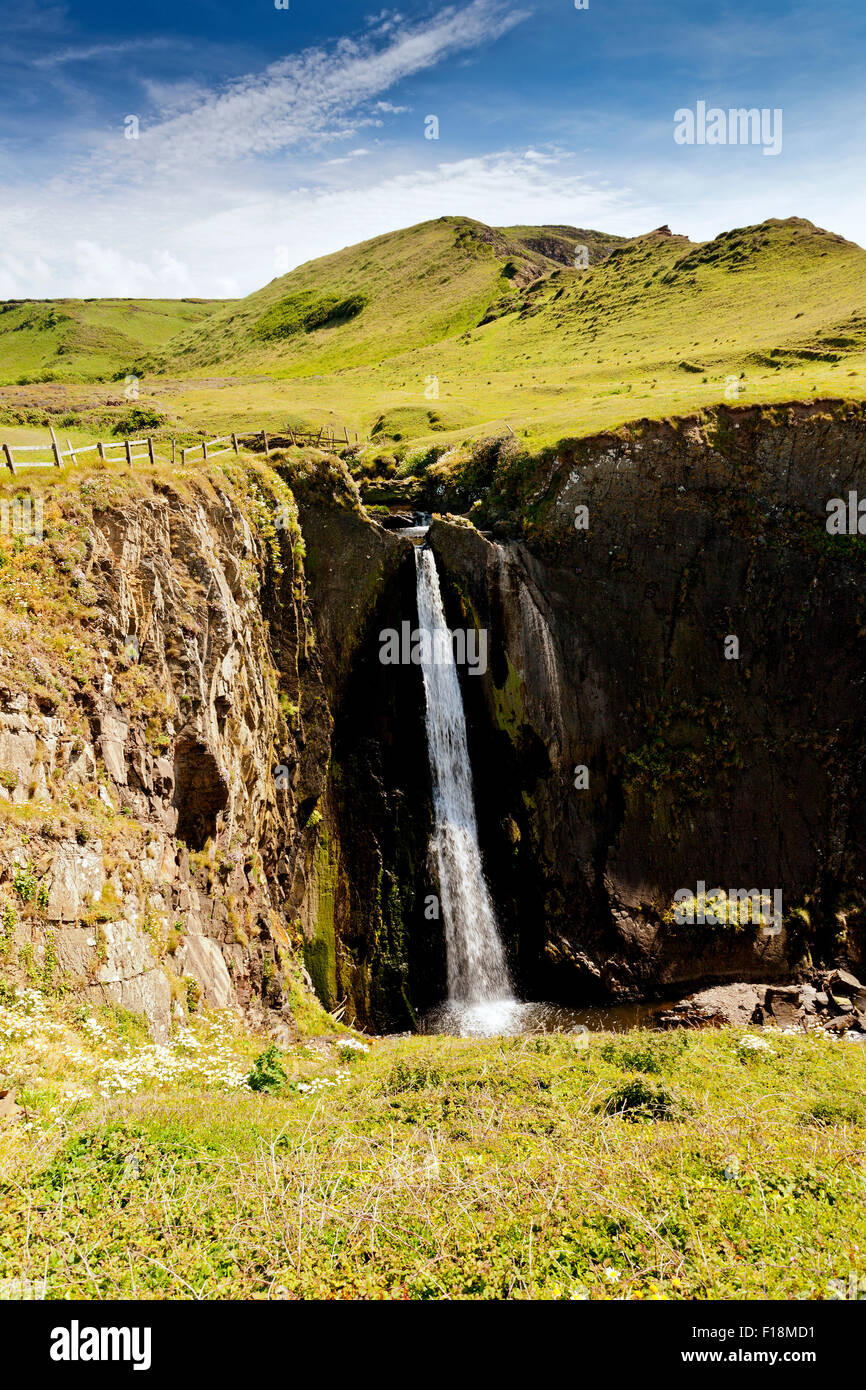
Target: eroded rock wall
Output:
[(608, 651), (154, 762)]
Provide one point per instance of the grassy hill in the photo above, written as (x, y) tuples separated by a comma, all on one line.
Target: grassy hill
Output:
[(452, 329), (458, 328), (409, 289), (75, 339)]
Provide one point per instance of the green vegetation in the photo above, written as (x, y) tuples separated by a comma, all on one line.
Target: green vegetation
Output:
[(450, 330), (430, 1167), (304, 312), (267, 1072), (661, 326), (88, 339)]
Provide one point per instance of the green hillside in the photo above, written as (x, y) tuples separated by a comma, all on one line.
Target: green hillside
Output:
[(451, 329), (462, 332), (89, 339), (391, 295)]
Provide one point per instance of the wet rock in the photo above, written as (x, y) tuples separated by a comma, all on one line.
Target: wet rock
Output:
[(688, 1014)]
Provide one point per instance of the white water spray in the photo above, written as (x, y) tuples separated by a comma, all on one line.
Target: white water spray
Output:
[(477, 969)]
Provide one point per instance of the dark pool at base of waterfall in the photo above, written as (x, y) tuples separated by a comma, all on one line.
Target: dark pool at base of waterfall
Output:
[(513, 1017)]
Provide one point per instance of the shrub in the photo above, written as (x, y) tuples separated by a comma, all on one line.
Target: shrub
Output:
[(826, 1113), (141, 417), (267, 1072), (193, 994), (24, 883), (404, 1077), (637, 1099), (650, 1056), (305, 311)]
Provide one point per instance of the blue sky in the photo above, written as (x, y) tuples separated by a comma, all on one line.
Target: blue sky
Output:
[(268, 136)]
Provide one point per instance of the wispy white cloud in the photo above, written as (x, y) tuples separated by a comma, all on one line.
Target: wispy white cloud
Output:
[(213, 240), (346, 158), (87, 53), (308, 99), (206, 243)]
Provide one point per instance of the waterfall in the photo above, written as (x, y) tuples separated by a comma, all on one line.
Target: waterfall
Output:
[(477, 969)]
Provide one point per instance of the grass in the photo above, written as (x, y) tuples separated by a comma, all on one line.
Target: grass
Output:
[(434, 1167), (450, 330), (89, 339)]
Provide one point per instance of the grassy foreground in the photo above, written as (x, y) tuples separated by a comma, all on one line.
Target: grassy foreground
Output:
[(712, 1165)]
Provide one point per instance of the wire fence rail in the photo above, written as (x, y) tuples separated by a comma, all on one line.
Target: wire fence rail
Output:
[(148, 448)]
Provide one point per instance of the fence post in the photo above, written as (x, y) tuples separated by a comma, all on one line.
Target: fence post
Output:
[(204, 449), (174, 451), (265, 438), (7, 449), (58, 462), (128, 452), (150, 450), (100, 448), (183, 455), (235, 443)]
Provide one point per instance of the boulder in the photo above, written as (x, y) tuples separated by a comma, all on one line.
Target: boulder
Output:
[(843, 985), (783, 1004)]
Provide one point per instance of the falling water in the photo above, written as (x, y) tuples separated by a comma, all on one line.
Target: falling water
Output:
[(478, 980)]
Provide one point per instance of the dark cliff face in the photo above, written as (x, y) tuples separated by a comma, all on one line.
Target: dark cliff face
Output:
[(251, 784), (368, 943), (608, 651)]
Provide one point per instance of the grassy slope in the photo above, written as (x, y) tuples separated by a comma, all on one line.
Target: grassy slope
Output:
[(423, 284), (780, 306), (74, 339), (660, 327), (429, 1167)]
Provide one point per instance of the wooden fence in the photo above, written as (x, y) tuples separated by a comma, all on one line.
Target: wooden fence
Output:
[(208, 447), (324, 436)]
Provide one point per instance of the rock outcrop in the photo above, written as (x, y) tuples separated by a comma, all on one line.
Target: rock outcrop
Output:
[(212, 788), (624, 746)]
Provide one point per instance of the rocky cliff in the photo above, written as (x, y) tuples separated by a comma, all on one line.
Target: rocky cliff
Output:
[(624, 746), (212, 788), (165, 739)]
